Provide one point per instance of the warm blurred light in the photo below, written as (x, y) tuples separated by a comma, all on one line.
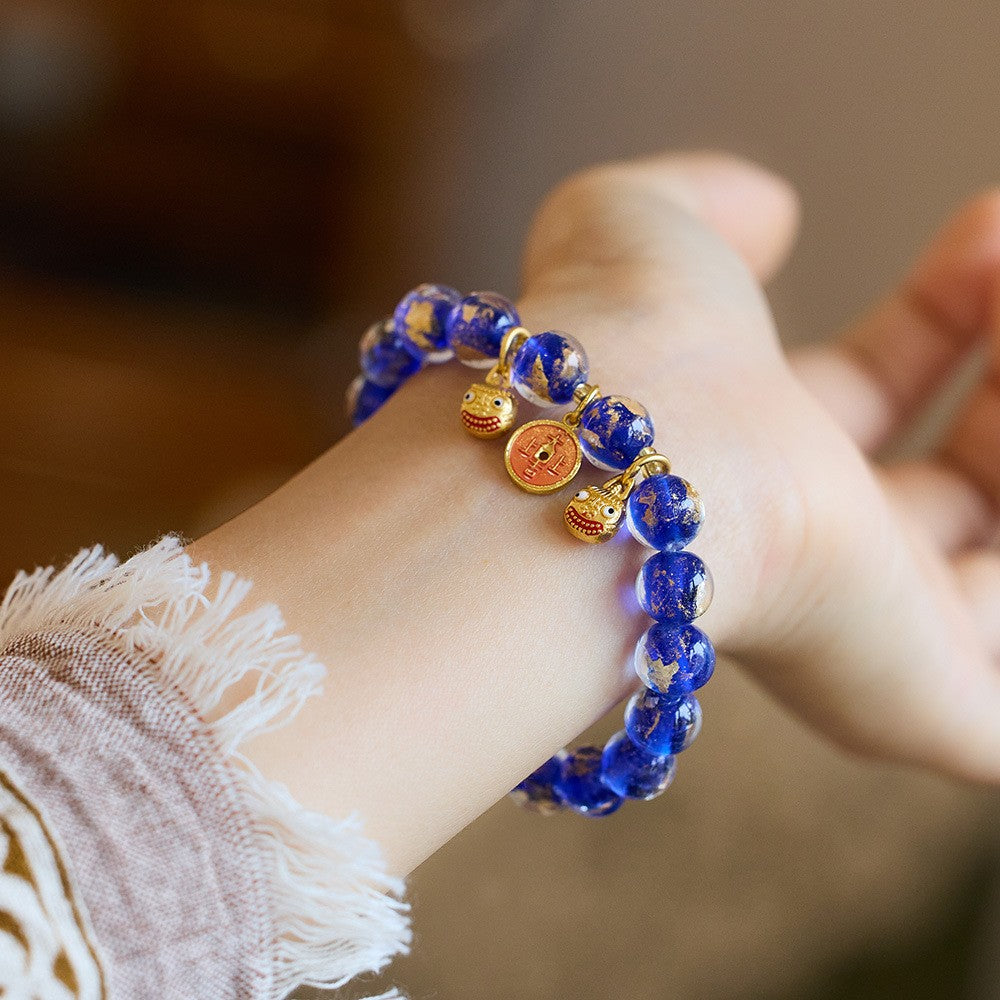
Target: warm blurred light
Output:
[(55, 67), (462, 29), (266, 41)]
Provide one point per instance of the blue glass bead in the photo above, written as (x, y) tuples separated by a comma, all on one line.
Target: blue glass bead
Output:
[(537, 792), (613, 430), (476, 327), (674, 660), (665, 512), (364, 398), (422, 319), (548, 368), (386, 358), (674, 587), (662, 725), (579, 785), (632, 772)]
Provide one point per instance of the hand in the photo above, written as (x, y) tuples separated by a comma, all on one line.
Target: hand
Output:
[(863, 596), (469, 636)]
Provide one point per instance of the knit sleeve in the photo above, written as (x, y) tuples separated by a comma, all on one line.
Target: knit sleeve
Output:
[(140, 854)]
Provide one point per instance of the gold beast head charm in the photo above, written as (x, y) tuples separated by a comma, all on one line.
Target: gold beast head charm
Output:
[(488, 410), (595, 513)]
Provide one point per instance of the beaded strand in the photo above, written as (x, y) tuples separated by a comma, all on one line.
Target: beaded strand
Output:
[(673, 658)]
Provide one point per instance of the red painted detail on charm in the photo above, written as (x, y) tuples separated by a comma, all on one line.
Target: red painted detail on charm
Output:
[(480, 423), (581, 523)]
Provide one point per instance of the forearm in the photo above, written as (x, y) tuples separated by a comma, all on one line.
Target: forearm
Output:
[(467, 634)]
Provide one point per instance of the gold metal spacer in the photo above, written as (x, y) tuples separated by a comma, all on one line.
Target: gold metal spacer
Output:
[(513, 340), (648, 462), (584, 395)]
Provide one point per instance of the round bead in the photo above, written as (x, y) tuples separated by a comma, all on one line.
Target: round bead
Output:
[(548, 368), (632, 772), (579, 785), (674, 587), (476, 326), (364, 398), (421, 318), (661, 725), (674, 660), (537, 792), (386, 358), (613, 430), (665, 512)]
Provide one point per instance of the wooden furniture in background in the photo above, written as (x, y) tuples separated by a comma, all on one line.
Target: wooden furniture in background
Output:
[(207, 148), (120, 422)]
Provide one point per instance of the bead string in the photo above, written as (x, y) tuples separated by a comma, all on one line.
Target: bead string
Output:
[(673, 658)]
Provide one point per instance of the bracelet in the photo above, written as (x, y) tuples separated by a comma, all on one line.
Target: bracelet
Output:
[(673, 658)]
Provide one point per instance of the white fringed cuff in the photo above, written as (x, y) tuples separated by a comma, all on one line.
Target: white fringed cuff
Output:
[(334, 910)]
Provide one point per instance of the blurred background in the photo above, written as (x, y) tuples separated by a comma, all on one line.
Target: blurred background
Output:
[(203, 203)]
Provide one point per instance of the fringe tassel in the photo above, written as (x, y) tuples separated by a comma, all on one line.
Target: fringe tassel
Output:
[(336, 912)]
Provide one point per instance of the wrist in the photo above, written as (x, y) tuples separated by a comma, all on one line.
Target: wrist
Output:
[(467, 634)]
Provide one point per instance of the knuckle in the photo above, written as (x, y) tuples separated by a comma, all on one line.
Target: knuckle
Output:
[(977, 221), (626, 229), (592, 184), (984, 208), (619, 202)]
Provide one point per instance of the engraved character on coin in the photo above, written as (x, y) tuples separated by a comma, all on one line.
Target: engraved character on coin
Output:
[(542, 456)]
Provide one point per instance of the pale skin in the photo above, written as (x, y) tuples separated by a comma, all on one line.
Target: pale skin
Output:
[(468, 636)]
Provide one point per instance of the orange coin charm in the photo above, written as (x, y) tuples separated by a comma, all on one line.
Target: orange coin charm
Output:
[(542, 456)]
